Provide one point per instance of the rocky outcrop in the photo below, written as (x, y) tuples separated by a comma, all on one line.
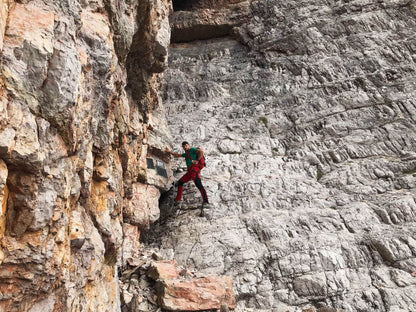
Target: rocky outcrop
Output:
[(204, 293), (182, 291), (197, 20), (153, 284), (307, 117), (77, 116)]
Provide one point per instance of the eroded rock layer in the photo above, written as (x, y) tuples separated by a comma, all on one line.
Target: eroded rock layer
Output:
[(307, 114)]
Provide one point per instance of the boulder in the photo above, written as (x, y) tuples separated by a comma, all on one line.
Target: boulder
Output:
[(186, 292), (205, 293)]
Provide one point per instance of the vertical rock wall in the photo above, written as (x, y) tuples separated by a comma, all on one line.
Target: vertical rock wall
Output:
[(306, 111), (77, 114)]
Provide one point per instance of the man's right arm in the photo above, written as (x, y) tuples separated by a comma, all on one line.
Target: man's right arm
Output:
[(172, 153)]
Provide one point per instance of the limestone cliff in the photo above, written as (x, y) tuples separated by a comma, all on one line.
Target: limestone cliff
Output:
[(305, 110)]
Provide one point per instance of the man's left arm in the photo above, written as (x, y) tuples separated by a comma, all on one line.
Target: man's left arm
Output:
[(199, 155)]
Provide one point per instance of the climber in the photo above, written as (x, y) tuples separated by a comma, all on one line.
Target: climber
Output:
[(195, 161)]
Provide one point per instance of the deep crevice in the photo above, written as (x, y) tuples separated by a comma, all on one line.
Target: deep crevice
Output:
[(189, 5), (200, 32), (181, 5)]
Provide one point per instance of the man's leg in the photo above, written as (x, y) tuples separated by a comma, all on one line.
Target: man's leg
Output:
[(181, 182), (201, 188)]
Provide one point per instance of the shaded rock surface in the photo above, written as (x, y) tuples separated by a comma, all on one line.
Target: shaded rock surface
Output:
[(196, 20), (307, 115)]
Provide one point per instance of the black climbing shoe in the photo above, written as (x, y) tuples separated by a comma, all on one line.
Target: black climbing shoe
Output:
[(206, 205)]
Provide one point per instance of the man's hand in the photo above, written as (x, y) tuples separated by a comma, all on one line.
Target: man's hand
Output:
[(195, 162), (172, 153)]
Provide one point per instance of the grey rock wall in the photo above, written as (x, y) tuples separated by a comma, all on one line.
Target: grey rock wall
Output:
[(307, 114)]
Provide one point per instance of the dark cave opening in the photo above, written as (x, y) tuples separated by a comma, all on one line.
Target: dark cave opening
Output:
[(180, 5), (192, 31), (190, 5), (186, 5)]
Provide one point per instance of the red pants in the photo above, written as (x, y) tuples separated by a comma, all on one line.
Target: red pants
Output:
[(194, 173)]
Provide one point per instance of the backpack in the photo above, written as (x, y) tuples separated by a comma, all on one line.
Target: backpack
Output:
[(205, 159)]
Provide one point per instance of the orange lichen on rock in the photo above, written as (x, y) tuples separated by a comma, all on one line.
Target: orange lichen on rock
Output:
[(99, 196)]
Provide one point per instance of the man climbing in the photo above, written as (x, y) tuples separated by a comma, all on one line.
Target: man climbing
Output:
[(195, 161)]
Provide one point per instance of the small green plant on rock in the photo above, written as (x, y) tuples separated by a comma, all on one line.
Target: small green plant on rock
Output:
[(319, 173), (263, 120)]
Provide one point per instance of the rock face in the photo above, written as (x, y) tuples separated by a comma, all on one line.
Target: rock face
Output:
[(185, 292), (306, 112), (77, 112)]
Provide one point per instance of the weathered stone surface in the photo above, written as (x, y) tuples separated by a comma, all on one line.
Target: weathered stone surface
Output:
[(131, 244), (209, 21), (143, 208), (183, 291), (147, 57), (205, 293), (163, 270), (73, 140), (77, 230), (3, 201), (4, 8), (306, 119)]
